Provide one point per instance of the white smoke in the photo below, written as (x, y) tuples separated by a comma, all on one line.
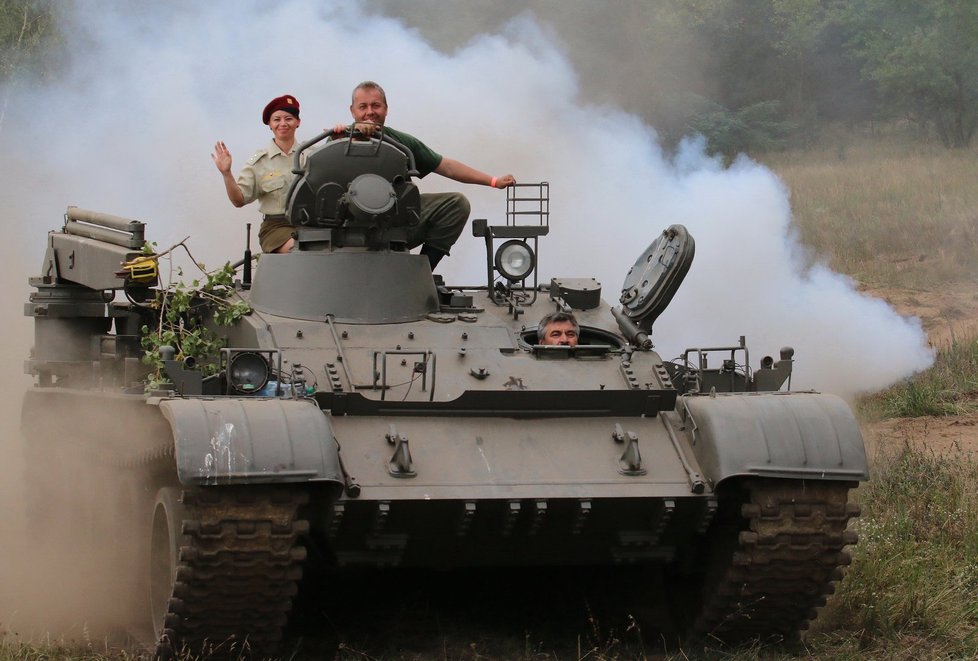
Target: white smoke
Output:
[(152, 88)]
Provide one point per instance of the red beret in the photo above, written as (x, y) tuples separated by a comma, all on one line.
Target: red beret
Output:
[(287, 102)]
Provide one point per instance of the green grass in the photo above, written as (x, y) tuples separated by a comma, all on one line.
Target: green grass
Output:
[(949, 387), (12, 649), (911, 590)]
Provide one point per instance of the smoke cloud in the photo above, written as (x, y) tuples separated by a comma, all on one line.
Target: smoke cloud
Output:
[(152, 87)]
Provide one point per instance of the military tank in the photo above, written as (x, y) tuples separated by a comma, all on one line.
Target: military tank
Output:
[(364, 414)]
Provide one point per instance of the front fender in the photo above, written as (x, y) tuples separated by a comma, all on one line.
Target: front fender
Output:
[(800, 435), (246, 440)]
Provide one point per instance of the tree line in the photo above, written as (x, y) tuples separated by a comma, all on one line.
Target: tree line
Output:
[(810, 62), (30, 43), (750, 75), (753, 74)]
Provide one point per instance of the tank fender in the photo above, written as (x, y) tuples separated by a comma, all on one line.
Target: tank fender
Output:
[(788, 434), (241, 441)]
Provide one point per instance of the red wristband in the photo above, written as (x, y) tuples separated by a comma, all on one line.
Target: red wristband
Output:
[(493, 182)]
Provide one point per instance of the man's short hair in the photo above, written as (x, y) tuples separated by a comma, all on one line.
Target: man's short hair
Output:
[(369, 85), (555, 317)]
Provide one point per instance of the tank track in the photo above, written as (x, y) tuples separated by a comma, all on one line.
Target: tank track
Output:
[(238, 567), (783, 564)]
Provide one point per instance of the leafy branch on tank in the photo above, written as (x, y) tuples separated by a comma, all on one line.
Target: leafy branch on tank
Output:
[(189, 319)]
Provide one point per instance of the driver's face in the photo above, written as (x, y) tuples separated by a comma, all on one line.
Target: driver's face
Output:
[(560, 333), (369, 106)]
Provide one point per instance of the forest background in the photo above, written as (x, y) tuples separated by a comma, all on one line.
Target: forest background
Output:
[(749, 75)]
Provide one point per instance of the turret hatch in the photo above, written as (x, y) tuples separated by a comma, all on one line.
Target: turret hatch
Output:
[(656, 275)]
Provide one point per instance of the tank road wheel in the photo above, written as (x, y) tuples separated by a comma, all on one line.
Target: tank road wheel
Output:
[(224, 565), (165, 543), (775, 551)]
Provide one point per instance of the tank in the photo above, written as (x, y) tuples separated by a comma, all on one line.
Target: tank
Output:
[(365, 415)]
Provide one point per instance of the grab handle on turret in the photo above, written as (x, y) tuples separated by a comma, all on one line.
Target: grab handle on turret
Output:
[(381, 137), (296, 169)]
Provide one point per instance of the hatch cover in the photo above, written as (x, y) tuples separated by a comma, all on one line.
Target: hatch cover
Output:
[(654, 279)]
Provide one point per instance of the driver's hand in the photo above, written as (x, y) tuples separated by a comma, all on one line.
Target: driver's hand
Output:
[(366, 128)]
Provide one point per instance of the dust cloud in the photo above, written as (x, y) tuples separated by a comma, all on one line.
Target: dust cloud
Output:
[(151, 87), (53, 585), (13, 548)]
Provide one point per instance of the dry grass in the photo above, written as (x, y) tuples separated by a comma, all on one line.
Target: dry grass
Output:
[(909, 593), (889, 212)]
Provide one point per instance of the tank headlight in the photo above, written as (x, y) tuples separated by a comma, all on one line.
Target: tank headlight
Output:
[(515, 260), (247, 372)]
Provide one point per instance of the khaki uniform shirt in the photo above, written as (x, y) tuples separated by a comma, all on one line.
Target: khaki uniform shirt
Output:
[(267, 178)]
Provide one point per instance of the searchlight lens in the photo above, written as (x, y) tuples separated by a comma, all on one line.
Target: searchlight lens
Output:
[(515, 260)]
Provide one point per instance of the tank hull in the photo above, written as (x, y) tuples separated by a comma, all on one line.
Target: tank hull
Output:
[(754, 552)]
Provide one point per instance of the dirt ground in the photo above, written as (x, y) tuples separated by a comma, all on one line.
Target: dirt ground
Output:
[(946, 315)]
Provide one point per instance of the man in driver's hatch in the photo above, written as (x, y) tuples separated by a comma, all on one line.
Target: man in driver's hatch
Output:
[(558, 329), (443, 215)]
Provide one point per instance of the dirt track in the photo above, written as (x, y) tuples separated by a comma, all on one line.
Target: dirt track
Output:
[(946, 315)]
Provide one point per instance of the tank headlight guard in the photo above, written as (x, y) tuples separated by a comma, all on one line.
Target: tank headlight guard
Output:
[(515, 260), (511, 249)]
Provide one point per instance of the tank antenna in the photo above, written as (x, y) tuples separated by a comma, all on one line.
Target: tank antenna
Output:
[(246, 273)]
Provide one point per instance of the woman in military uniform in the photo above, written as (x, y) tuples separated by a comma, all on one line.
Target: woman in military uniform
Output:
[(267, 176)]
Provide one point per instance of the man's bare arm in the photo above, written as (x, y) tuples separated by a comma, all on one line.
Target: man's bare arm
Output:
[(459, 171)]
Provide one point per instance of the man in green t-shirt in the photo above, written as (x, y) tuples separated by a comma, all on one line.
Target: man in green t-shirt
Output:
[(443, 215)]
